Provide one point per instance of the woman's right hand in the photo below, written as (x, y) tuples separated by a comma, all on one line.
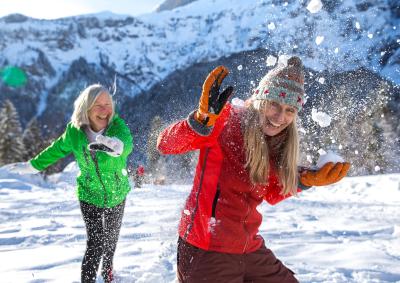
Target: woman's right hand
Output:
[(21, 168), (212, 101)]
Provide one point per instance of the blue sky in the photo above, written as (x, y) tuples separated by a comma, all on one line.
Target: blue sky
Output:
[(52, 9)]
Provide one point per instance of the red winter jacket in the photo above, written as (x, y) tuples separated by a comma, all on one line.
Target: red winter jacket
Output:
[(220, 213)]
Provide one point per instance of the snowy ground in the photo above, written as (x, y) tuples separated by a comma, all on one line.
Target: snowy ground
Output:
[(348, 232)]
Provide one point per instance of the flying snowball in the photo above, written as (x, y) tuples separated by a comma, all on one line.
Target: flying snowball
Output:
[(319, 40), (271, 26), (314, 6), (323, 119), (271, 60), (329, 156), (237, 102), (240, 67), (283, 59)]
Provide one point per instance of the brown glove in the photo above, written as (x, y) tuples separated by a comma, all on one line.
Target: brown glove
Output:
[(328, 174), (212, 101)]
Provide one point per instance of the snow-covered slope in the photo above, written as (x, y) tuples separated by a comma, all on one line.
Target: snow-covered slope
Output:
[(347, 232)]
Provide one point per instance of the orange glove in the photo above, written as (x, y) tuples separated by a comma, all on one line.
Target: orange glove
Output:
[(212, 101), (328, 174)]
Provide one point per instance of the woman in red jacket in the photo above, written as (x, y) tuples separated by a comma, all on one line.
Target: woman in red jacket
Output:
[(247, 155)]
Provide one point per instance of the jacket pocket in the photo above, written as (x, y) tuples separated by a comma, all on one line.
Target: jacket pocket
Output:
[(215, 201)]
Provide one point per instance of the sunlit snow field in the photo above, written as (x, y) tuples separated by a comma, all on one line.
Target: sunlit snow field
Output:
[(349, 232)]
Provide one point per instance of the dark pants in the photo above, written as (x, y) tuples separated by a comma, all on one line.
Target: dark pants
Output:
[(197, 265), (102, 229)]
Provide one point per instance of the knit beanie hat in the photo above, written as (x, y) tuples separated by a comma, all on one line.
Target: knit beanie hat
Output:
[(283, 84)]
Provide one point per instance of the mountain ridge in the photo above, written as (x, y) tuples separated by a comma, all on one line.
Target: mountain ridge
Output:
[(63, 56)]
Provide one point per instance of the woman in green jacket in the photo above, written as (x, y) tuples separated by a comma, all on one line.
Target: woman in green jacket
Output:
[(101, 143)]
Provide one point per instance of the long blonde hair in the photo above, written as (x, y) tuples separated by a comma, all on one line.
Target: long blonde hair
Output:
[(84, 102), (258, 151)]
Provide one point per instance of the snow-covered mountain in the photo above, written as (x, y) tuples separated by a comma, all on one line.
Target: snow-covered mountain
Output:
[(172, 4), (145, 50), (160, 59)]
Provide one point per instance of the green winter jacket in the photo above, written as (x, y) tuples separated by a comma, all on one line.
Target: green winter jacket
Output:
[(103, 179)]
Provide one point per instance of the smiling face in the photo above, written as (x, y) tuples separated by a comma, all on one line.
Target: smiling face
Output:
[(275, 117), (100, 112)]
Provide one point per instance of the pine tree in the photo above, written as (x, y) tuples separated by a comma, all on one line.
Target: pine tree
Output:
[(360, 129), (155, 161), (11, 146), (32, 139)]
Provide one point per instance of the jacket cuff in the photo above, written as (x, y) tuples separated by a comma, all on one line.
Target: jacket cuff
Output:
[(198, 127), (34, 165), (302, 187)]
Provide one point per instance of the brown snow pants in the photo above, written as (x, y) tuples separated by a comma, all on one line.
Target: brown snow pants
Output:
[(198, 265)]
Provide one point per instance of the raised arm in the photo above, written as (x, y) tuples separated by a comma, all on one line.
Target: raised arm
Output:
[(204, 125)]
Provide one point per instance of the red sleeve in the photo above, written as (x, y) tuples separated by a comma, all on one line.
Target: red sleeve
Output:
[(181, 137), (274, 192), (274, 196)]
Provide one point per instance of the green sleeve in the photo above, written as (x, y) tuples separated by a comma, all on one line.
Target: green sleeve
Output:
[(60, 148)]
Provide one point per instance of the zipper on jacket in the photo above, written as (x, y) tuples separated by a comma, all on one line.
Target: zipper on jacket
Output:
[(117, 179), (244, 225), (215, 201), (245, 219), (203, 167), (96, 164), (85, 155), (87, 177)]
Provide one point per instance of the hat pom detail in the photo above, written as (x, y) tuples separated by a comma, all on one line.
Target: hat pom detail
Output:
[(295, 62)]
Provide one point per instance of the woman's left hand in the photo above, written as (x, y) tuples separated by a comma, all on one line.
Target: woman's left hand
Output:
[(113, 143), (328, 174)]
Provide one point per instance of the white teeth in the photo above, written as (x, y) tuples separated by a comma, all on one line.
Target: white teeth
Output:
[(273, 124)]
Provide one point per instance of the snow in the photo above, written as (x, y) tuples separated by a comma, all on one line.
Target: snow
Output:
[(314, 6), (271, 60), (347, 232), (323, 119), (329, 156), (238, 102), (271, 26), (319, 40)]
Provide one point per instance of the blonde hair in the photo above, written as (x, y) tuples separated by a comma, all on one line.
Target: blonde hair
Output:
[(258, 151), (85, 101)]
